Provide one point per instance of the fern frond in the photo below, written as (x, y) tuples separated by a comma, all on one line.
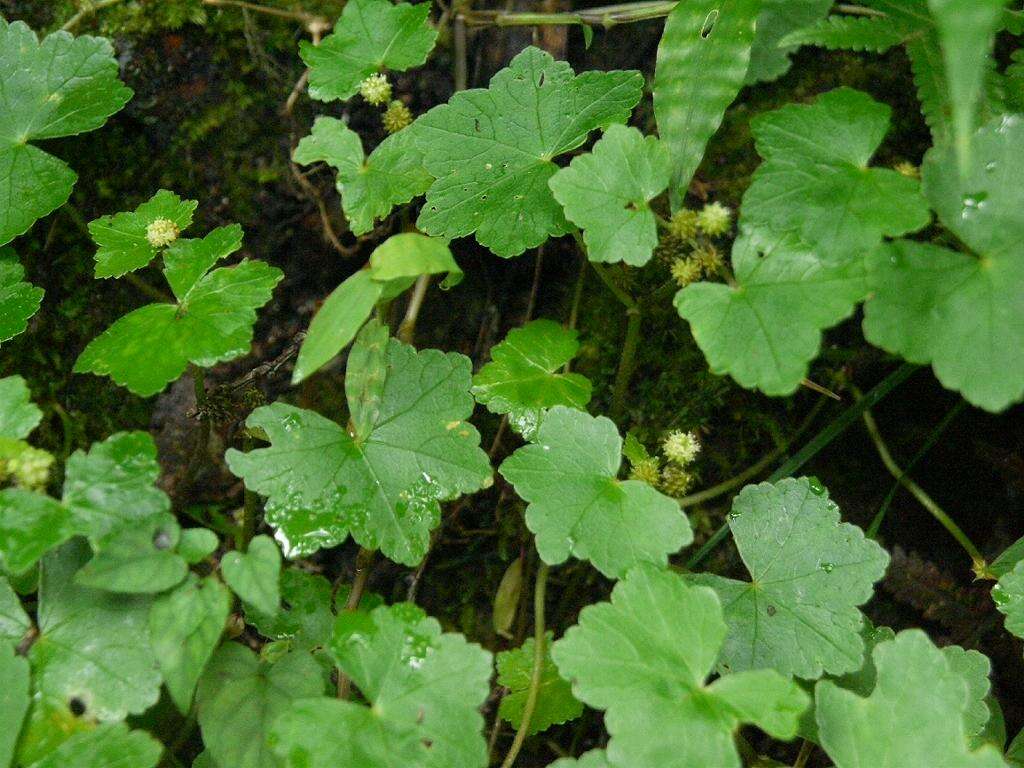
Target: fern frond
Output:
[(847, 32), (930, 78)]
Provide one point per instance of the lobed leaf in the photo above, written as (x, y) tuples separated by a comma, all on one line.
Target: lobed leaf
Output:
[(578, 507), (18, 414), (19, 300), (555, 703)]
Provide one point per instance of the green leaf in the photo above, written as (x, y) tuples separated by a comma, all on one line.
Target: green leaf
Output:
[(769, 53), (382, 485), (974, 668), (14, 695), (702, 63), (644, 658), (122, 245), (93, 646), (113, 484), (370, 187), (62, 86), (18, 414), (18, 300), (424, 689), (186, 261), (197, 544), (815, 190), (607, 192), (809, 572), (578, 506), (255, 574), (962, 312), (855, 33), (107, 746), (337, 322), (765, 330), (370, 36), (411, 254), (305, 616), (31, 524), (185, 626), (1007, 559), (555, 702), (240, 697), (595, 758), (914, 716), (967, 31), (521, 379), (491, 150), (14, 622), (150, 347), (1008, 595), (136, 557)]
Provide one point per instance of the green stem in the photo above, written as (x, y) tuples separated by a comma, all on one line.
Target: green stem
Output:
[(539, 639), (248, 527), (407, 328), (806, 749), (364, 563), (627, 362), (86, 11), (926, 501), (606, 16), (309, 19), (809, 451)]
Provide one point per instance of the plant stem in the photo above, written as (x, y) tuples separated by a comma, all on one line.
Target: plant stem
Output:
[(86, 11), (809, 451), (309, 19), (606, 16), (926, 501), (364, 563), (149, 290), (539, 638), (754, 469), (248, 527), (806, 748), (627, 360), (407, 328)]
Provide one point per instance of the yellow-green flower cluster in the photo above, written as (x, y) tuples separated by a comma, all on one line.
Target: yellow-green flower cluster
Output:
[(396, 117), (376, 89), (646, 470), (28, 468), (681, 447), (161, 232), (714, 219)]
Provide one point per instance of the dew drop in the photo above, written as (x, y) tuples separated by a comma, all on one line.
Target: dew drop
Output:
[(827, 567)]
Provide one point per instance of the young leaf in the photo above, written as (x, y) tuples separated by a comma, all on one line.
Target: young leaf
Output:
[(107, 746), (815, 190), (197, 544), (491, 150), (765, 330), (370, 187), (808, 570), (18, 300), (185, 626), (31, 524), (212, 322), (370, 36), (14, 622), (1008, 595), (578, 506), (18, 414), (255, 574), (240, 696), (93, 647), (305, 616), (703, 59), (14, 696), (607, 193), (123, 245), (136, 557), (769, 54), (644, 658), (114, 484), (914, 716), (62, 86), (967, 30), (555, 702), (384, 483), (425, 689), (521, 379), (962, 312), (411, 254)]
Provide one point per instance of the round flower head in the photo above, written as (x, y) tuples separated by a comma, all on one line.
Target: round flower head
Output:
[(376, 89), (909, 170), (714, 219), (30, 468), (681, 447), (161, 232), (685, 271), (647, 471), (684, 224), (708, 256), (396, 117), (675, 481)]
